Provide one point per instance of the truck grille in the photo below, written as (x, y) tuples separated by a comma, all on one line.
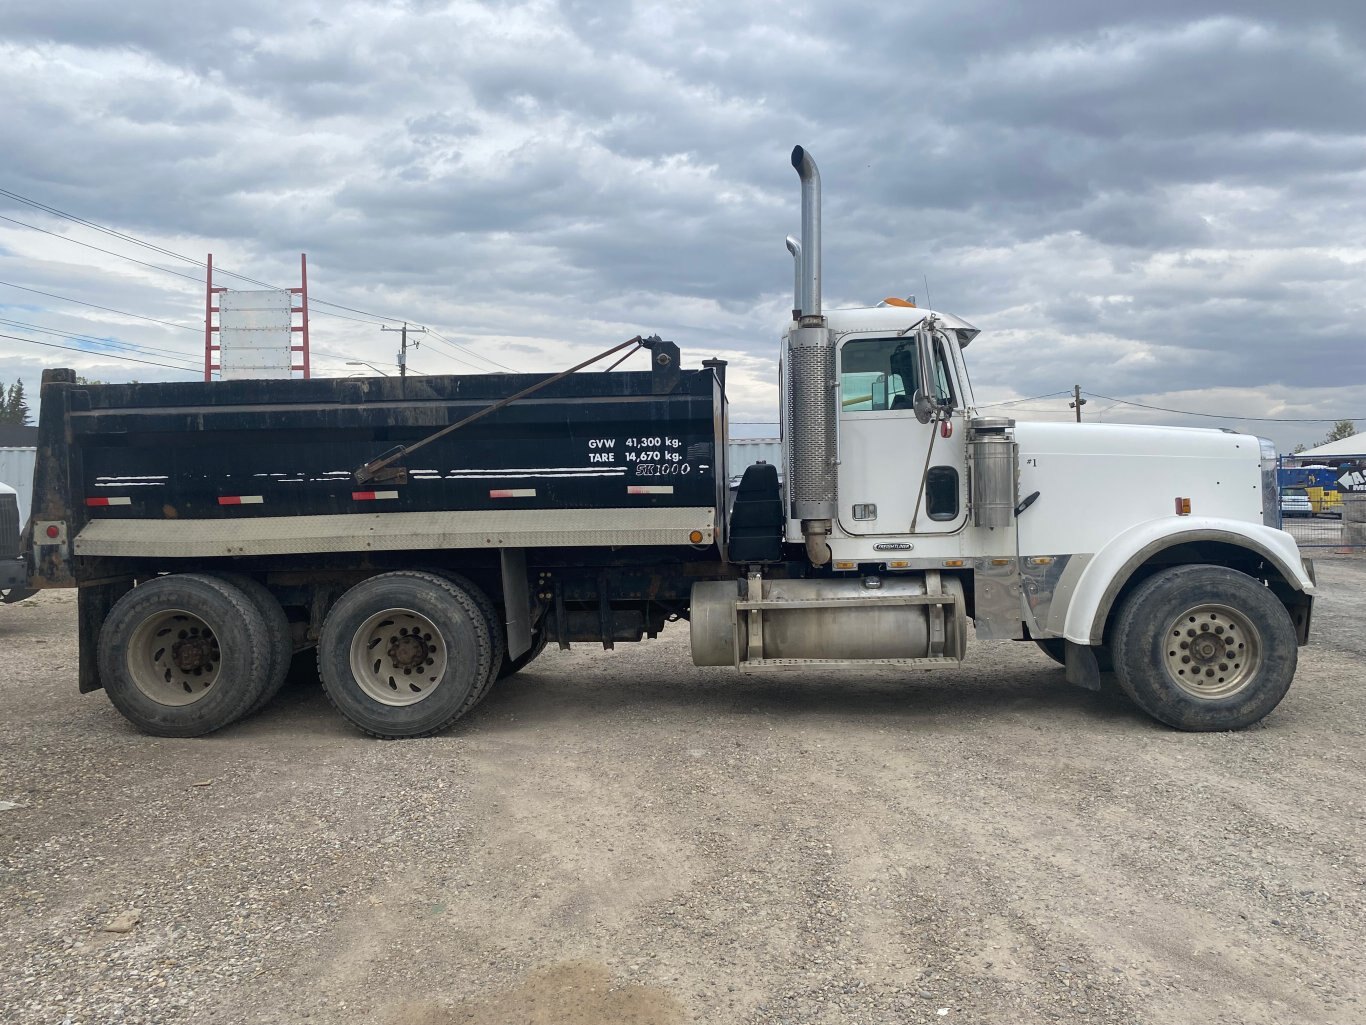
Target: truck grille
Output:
[(9, 526)]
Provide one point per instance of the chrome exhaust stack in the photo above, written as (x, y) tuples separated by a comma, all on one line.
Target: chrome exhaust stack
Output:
[(811, 233), (811, 383)]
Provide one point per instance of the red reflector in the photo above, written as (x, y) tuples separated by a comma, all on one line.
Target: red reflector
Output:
[(240, 500), (52, 531)]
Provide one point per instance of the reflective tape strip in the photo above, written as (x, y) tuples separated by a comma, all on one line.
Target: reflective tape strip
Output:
[(96, 502), (240, 500), (513, 493), (649, 489), (373, 496)]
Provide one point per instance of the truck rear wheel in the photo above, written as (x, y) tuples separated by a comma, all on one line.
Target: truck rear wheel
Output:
[(276, 640), (405, 654), (181, 655), (497, 634), (1205, 648)]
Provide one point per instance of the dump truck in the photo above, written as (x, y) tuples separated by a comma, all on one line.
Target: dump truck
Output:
[(428, 536)]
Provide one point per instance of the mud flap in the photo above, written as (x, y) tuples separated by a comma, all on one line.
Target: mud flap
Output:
[(516, 600), (93, 603), (1083, 670)]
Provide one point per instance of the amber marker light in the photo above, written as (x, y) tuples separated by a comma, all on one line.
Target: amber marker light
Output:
[(695, 537), (1183, 507)]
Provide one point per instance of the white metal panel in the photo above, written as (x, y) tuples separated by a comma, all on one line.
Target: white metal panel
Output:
[(255, 334), (397, 531), (16, 470), (1097, 480), (745, 452)]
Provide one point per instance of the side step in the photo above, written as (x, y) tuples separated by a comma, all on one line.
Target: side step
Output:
[(793, 665)]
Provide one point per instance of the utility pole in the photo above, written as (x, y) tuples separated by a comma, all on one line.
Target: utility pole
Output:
[(1077, 401), (403, 344)]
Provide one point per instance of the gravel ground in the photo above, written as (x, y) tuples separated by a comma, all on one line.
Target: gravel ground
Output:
[(621, 837)]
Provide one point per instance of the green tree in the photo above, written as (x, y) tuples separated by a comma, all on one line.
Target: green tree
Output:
[(1342, 430), (14, 407)]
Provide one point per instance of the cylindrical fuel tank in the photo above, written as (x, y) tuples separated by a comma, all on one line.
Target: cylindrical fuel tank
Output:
[(862, 629), (995, 473)]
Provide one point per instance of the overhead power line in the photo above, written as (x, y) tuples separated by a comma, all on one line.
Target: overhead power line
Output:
[(107, 252), (1011, 402), (472, 352), (88, 352), (112, 342), (1229, 416), (124, 236), (106, 309)]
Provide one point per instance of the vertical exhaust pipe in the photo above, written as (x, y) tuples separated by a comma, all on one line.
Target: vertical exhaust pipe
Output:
[(795, 248), (812, 395), (811, 231)]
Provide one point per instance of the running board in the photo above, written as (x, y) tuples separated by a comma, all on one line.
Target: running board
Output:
[(790, 665)]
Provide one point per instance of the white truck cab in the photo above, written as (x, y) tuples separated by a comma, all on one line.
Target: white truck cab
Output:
[(1151, 551)]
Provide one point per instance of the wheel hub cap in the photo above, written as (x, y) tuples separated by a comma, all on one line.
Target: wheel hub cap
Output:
[(398, 657), (1212, 651), (173, 657)]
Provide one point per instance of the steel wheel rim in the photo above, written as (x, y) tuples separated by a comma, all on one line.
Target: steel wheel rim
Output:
[(398, 657), (173, 657), (1212, 651)]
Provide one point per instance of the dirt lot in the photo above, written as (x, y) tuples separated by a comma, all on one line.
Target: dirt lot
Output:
[(620, 837)]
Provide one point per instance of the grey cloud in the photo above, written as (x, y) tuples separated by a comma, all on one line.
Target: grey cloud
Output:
[(1157, 198)]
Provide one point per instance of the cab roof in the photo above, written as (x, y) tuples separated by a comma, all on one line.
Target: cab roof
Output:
[(895, 318)]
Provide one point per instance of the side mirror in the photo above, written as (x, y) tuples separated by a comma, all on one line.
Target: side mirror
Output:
[(923, 403), (923, 407)]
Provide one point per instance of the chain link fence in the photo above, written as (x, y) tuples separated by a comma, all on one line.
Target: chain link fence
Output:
[(1323, 505)]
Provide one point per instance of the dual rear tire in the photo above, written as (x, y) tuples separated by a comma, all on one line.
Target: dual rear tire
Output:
[(405, 654), (187, 654)]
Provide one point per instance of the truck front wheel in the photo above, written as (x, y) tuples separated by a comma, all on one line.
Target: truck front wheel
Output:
[(181, 655), (1204, 648), (405, 654)]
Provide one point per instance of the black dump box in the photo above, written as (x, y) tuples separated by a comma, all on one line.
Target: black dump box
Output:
[(243, 468)]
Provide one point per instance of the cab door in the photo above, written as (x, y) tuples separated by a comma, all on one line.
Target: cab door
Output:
[(885, 451)]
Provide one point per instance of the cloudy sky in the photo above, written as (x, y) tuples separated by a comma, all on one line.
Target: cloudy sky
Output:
[(1162, 202)]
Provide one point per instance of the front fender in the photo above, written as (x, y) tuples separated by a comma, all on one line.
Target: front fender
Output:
[(1107, 572)]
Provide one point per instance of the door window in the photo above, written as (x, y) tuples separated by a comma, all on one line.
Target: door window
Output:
[(878, 374), (941, 493)]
